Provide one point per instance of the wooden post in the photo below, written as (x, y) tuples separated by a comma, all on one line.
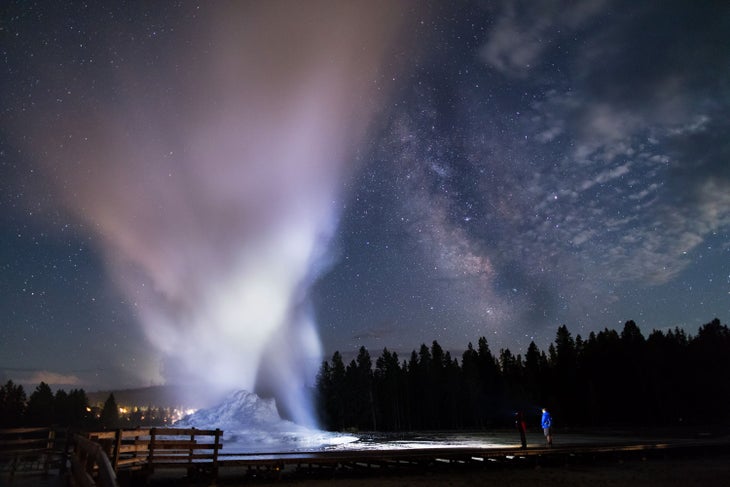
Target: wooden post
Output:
[(150, 457), (135, 453), (218, 434), (190, 449), (50, 440), (216, 447), (117, 447), (191, 469), (66, 451)]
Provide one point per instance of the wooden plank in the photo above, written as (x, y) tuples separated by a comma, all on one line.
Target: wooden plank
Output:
[(102, 435), (10, 444), (123, 462), (23, 441), (176, 442), (182, 454), (135, 433), (27, 452), (182, 459), (159, 432), (23, 431), (136, 448), (182, 445), (110, 435), (183, 464), (184, 432)]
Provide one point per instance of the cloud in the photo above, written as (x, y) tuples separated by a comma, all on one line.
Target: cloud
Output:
[(377, 332), (524, 30), (607, 176), (52, 378), (640, 162)]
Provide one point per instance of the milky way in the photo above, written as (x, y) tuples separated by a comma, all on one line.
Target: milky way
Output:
[(549, 163)]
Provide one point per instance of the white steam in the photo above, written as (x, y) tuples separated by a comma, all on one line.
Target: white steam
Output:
[(209, 169)]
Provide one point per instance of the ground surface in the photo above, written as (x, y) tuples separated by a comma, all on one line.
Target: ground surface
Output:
[(685, 472)]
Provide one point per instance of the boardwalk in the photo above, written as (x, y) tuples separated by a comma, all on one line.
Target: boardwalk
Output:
[(457, 459), (416, 465)]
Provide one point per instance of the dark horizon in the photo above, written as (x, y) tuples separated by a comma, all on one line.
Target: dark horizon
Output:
[(610, 379), (347, 355)]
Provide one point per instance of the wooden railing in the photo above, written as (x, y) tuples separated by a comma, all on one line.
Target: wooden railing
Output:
[(30, 449), (148, 449), (90, 466), (125, 448)]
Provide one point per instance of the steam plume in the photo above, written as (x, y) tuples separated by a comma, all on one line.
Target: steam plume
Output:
[(209, 167)]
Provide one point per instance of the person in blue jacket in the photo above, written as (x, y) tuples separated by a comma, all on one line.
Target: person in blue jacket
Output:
[(547, 426)]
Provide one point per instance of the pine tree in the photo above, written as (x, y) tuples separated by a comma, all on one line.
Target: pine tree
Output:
[(40, 406), (12, 405), (110, 413)]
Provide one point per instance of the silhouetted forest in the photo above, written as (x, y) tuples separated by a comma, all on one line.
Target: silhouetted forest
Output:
[(609, 379), (44, 408)]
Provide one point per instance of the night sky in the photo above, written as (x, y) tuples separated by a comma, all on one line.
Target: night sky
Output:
[(175, 174)]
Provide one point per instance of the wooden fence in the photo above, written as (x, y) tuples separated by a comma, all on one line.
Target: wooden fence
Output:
[(148, 449), (31, 450), (95, 458)]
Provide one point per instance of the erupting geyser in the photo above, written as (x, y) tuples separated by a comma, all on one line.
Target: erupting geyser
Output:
[(210, 174)]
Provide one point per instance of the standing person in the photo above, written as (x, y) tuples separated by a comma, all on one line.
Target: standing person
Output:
[(521, 427), (547, 426)]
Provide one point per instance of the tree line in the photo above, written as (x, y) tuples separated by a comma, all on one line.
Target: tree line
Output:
[(609, 379), (44, 408)]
